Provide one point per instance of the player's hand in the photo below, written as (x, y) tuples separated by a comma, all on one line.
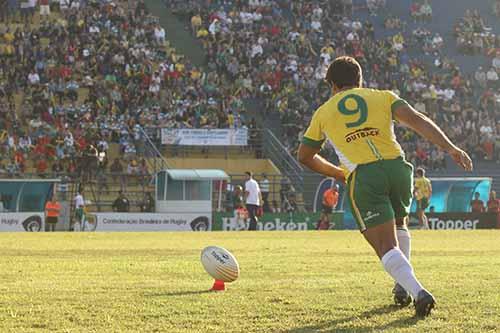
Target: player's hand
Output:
[(461, 158)]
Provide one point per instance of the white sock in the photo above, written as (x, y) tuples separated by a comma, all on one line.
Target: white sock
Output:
[(404, 240), (426, 223), (400, 269)]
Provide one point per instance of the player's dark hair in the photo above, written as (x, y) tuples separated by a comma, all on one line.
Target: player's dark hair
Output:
[(249, 173), (420, 172), (344, 72)]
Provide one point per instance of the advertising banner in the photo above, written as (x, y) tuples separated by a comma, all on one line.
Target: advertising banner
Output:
[(459, 221), (148, 222), (274, 221), (204, 137), (11, 222)]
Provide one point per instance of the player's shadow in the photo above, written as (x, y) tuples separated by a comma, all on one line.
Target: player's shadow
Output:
[(333, 326), (181, 293)]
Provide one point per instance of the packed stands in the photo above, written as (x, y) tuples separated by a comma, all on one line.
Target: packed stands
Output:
[(278, 51), (90, 76)]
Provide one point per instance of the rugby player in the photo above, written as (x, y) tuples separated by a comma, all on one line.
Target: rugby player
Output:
[(423, 192), (358, 122)]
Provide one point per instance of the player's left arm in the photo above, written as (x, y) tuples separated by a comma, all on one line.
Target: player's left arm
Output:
[(424, 126)]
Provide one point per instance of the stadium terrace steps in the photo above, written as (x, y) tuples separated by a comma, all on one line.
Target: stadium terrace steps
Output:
[(445, 15), (210, 153), (230, 166), (134, 192), (177, 33)]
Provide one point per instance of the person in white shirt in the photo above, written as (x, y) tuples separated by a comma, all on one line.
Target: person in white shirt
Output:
[(257, 50), (79, 212), (64, 5), (159, 34), (253, 199), (33, 78), (492, 77)]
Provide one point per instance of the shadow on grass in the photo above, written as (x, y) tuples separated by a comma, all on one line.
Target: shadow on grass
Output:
[(181, 293), (333, 326)]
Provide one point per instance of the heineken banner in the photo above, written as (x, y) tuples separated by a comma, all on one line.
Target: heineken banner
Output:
[(275, 221), (204, 137)]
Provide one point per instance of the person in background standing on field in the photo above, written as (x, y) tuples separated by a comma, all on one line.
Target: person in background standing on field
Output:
[(253, 199), (330, 200), (264, 189), (423, 192), (494, 206), (79, 211), (477, 205), (52, 212)]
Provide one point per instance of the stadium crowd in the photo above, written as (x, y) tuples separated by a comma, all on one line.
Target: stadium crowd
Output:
[(76, 76), (85, 74), (278, 51)]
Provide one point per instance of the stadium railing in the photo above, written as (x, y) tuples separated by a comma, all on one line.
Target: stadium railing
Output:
[(254, 148), (262, 143), (102, 188)]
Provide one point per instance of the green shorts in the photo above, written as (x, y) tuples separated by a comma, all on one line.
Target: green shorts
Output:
[(423, 203), (380, 191), (79, 214)]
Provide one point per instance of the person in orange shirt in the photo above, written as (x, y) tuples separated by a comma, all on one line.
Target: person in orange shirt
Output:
[(52, 211), (330, 200)]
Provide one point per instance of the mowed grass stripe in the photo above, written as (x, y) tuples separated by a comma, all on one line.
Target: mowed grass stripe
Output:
[(290, 282)]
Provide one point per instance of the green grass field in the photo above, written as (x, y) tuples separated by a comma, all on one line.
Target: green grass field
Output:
[(290, 282)]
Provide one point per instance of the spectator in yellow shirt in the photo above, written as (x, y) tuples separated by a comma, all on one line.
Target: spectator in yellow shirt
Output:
[(196, 23)]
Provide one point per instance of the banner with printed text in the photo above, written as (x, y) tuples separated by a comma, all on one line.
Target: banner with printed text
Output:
[(31, 222), (275, 221), (149, 222), (204, 137), (459, 221)]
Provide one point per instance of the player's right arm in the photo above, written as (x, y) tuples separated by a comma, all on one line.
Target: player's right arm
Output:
[(424, 126), (309, 149)]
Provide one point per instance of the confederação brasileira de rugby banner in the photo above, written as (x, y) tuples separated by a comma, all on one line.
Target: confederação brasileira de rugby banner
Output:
[(204, 137), (150, 222)]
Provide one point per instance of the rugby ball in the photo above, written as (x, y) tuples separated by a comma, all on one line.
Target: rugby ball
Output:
[(220, 263)]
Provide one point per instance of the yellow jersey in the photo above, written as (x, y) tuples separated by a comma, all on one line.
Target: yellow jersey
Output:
[(358, 123), (423, 188)]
